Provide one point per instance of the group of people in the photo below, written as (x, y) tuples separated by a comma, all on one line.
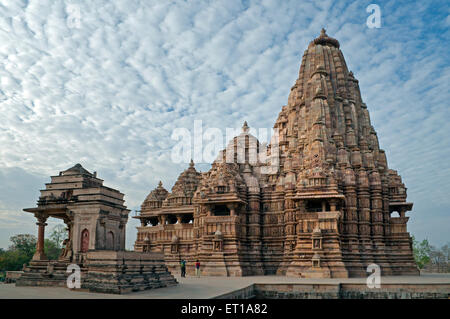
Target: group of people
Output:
[(183, 268)]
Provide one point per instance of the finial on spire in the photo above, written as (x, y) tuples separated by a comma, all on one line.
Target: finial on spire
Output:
[(160, 184), (324, 39), (245, 127), (191, 164)]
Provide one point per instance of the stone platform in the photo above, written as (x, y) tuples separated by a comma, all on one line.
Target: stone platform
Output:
[(121, 272), (105, 271), (45, 273), (12, 276), (213, 287)]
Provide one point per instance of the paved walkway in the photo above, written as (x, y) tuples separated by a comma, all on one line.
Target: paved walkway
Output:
[(199, 288)]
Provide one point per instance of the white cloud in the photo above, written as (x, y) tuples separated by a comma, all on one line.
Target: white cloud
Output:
[(109, 93)]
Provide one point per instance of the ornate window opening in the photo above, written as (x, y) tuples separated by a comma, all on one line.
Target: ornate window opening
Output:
[(187, 219), (171, 219), (221, 210), (314, 206), (153, 221)]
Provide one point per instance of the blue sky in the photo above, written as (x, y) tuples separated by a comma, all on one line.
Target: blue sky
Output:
[(104, 83)]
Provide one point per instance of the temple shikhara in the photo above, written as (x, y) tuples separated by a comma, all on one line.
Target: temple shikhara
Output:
[(330, 208), (321, 203)]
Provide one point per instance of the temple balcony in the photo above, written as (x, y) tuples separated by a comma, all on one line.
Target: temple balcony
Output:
[(165, 232), (398, 225), (327, 221), (226, 224)]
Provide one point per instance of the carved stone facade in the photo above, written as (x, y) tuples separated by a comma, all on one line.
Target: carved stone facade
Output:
[(320, 207)]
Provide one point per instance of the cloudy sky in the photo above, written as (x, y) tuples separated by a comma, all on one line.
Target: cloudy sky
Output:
[(104, 83)]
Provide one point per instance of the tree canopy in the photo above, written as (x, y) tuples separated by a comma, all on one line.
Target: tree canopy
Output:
[(422, 251), (23, 247), (430, 258)]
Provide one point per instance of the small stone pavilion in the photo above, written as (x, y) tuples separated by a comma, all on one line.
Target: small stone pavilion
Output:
[(96, 217)]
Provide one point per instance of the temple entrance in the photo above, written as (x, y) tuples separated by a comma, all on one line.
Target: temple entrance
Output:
[(110, 241), (84, 240)]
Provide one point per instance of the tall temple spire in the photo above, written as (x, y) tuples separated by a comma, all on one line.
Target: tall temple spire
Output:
[(337, 154)]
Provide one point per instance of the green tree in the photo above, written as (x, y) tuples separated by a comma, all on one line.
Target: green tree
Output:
[(58, 234), (422, 252), (13, 260), (20, 252), (51, 250), (24, 246), (2, 273), (24, 243)]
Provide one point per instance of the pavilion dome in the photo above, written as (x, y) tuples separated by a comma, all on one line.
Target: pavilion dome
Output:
[(244, 147), (185, 187), (77, 169), (155, 198)]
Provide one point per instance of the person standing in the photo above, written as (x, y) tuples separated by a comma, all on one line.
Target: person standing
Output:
[(197, 268), (183, 268)]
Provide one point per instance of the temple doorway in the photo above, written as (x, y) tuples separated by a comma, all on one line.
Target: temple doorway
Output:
[(110, 241), (84, 240)]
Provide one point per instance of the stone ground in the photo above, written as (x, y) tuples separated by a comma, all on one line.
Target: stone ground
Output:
[(199, 288)]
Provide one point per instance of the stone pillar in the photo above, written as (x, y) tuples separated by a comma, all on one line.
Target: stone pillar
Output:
[(232, 209), (333, 204), (122, 233), (39, 254)]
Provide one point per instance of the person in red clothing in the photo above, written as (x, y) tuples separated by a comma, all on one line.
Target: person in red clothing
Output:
[(197, 268)]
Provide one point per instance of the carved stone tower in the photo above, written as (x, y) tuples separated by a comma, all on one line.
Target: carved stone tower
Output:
[(335, 176), (324, 211)]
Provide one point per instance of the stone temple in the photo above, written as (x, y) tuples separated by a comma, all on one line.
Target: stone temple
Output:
[(96, 217), (322, 205)]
